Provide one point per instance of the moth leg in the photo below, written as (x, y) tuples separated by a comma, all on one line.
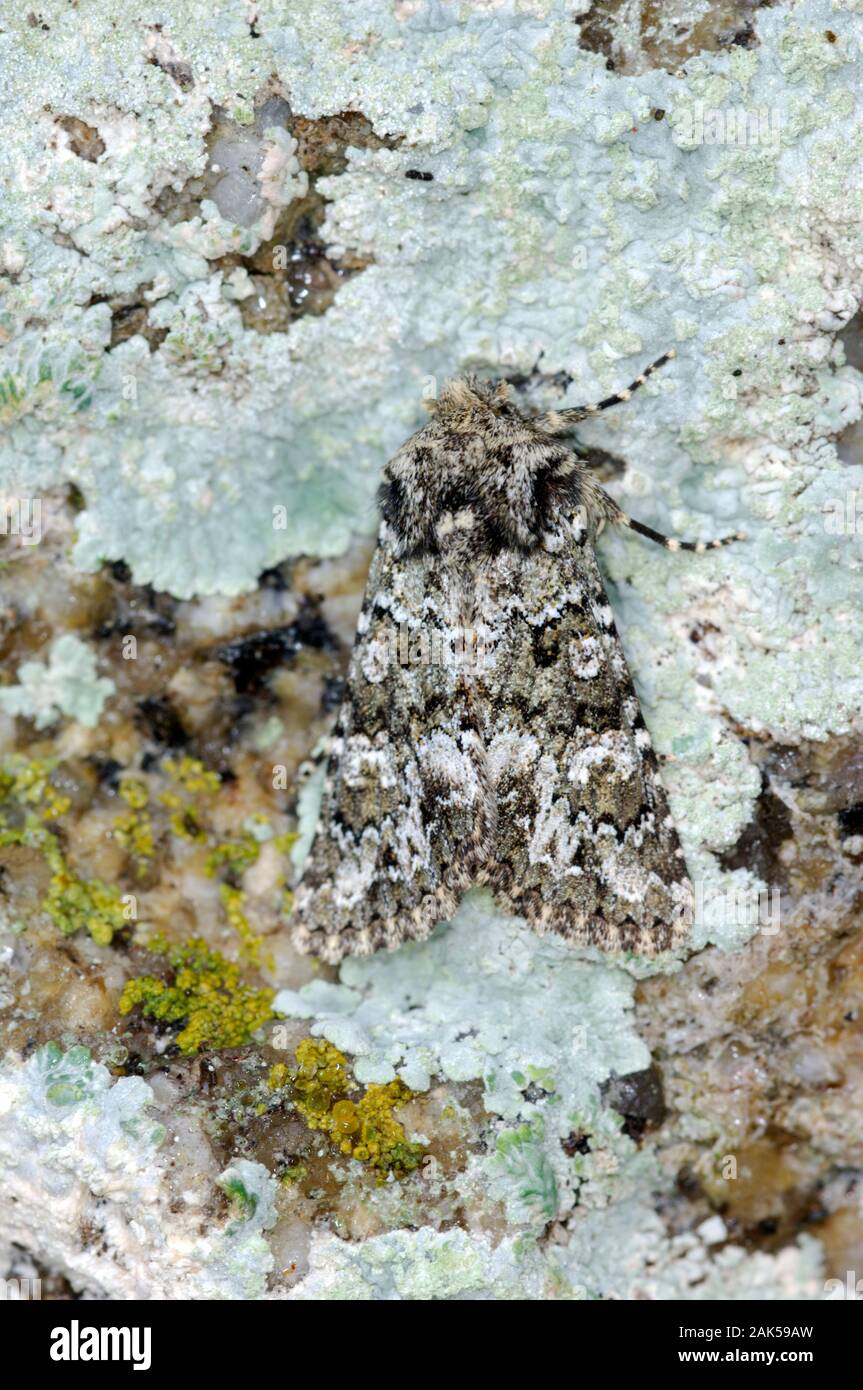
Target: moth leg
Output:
[(559, 421)]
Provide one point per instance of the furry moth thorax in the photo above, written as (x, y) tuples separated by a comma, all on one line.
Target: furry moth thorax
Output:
[(481, 477)]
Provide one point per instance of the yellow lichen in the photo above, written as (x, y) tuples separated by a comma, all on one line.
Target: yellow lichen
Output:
[(134, 792), (135, 831), (285, 842), (365, 1128), (234, 855), (218, 1009), (192, 776), (279, 1076), (295, 1173), (28, 784), (73, 903), (232, 901), (185, 821)]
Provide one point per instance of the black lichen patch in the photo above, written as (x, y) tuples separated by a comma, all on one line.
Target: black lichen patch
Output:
[(158, 719), (108, 771), (332, 693), (638, 1097), (252, 658), (851, 821), (577, 1142), (135, 609), (277, 578)]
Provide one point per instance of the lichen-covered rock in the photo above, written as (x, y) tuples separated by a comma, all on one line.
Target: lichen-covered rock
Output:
[(234, 259)]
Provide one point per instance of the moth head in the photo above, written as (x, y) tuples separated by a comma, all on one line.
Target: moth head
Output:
[(479, 478), (469, 401)]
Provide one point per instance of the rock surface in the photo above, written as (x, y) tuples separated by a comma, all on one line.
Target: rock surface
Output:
[(228, 282)]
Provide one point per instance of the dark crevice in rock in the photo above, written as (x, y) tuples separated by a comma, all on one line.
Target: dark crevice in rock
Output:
[(162, 56), (131, 320), (637, 35), (598, 28), (576, 1142), (758, 848), (84, 140), (638, 1097), (851, 821), (252, 658), (130, 317), (294, 273), (159, 720)]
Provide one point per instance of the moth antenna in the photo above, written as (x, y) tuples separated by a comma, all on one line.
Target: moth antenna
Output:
[(559, 421), (671, 542)]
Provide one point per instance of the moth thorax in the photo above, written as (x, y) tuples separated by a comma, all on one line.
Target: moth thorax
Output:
[(455, 531)]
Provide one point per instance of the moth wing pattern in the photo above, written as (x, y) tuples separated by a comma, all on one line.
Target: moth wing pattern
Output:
[(586, 846), (530, 769), (534, 774), (404, 811)]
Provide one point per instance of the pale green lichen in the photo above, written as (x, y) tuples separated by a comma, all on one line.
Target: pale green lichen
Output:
[(67, 684), (485, 999), (625, 1255), (88, 1140), (239, 1259), (60, 1099)]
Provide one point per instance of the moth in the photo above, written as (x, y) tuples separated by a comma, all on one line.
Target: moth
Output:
[(490, 732)]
